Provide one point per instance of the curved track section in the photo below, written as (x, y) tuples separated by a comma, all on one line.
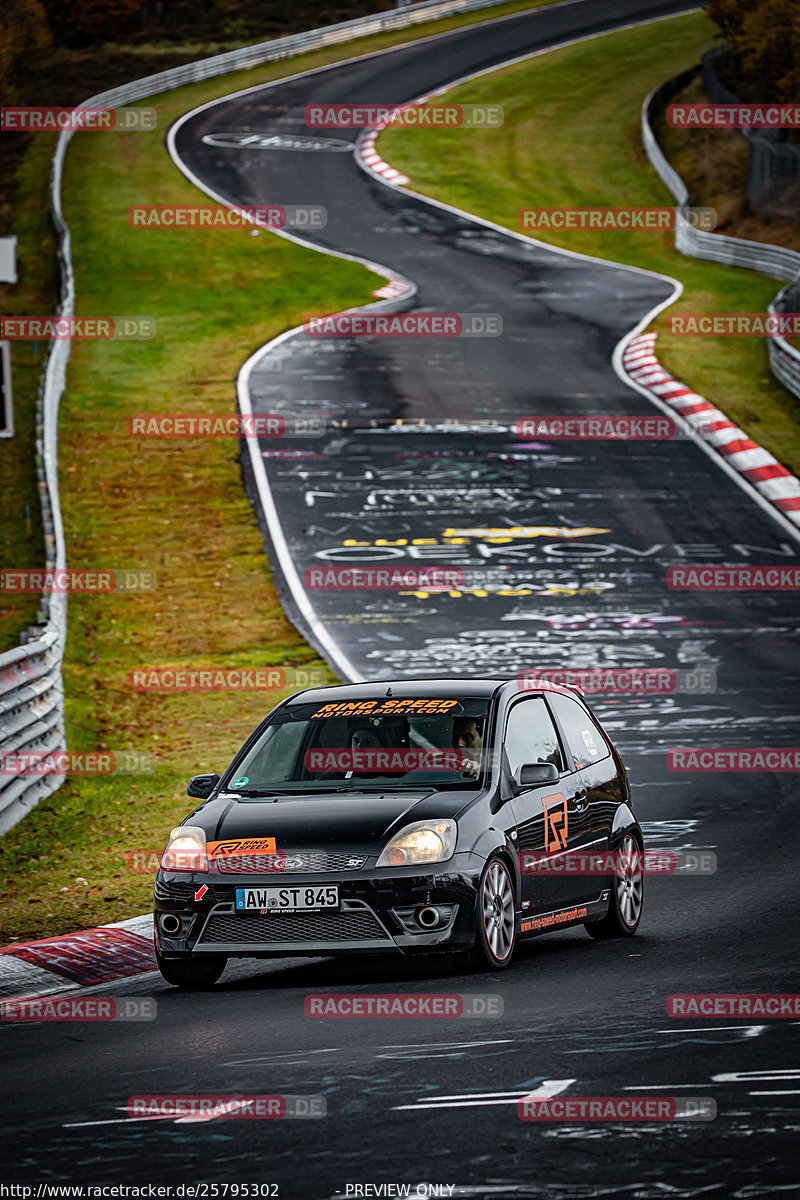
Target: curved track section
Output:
[(584, 533), (374, 481)]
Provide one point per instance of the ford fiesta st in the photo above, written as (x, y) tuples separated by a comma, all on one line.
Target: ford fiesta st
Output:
[(415, 817)]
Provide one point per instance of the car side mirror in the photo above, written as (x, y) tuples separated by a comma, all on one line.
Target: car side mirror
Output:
[(201, 786), (534, 774)]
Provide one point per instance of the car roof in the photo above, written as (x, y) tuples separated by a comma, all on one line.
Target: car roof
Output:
[(427, 686)]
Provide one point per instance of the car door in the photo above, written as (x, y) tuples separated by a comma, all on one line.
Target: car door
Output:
[(600, 792), (541, 814)]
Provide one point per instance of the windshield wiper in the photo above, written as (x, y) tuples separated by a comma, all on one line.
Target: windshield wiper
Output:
[(386, 787), (259, 792), (467, 781)]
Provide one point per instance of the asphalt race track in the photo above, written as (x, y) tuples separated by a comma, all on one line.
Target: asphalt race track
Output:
[(594, 527), (619, 515)]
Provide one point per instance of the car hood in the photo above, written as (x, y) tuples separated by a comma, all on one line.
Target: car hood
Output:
[(325, 821)]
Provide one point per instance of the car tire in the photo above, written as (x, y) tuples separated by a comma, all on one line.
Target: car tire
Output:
[(627, 896), (192, 974), (495, 918)]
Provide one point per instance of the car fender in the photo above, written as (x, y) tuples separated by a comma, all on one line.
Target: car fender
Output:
[(624, 823), (496, 841)]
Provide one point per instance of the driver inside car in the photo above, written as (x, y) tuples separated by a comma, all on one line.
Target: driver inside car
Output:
[(468, 739)]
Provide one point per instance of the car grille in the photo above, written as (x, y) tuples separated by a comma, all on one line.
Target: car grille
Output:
[(288, 864), (358, 925)]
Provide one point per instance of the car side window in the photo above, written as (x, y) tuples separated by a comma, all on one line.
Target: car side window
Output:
[(531, 735), (585, 742)]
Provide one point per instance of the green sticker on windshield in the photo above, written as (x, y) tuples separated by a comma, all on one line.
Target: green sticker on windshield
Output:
[(241, 781)]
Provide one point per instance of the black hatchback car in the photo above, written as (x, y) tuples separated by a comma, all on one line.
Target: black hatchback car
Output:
[(421, 816)]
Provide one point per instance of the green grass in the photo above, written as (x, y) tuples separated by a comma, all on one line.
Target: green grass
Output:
[(21, 534), (20, 540), (173, 506), (571, 138), (178, 507)]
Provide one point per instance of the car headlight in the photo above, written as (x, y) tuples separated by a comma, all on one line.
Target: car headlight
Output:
[(422, 842), (186, 850)]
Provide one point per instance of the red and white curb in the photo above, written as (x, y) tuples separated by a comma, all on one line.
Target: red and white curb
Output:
[(366, 151), (753, 462), (368, 156), (75, 960), (394, 288)]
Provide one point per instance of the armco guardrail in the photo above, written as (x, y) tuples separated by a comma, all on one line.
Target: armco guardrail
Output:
[(285, 47), (31, 718), (777, 261), (786, 366), (31, 691)]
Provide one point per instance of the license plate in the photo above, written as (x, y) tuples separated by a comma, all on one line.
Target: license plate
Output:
[(286, 899)]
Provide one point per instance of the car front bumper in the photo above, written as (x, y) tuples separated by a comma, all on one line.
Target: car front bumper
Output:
[(376, 914)]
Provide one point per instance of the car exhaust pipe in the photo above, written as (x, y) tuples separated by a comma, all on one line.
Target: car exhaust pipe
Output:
[(428, 918), (170, 923)]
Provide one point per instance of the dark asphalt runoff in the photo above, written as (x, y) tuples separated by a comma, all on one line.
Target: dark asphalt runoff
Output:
[(583, 534)]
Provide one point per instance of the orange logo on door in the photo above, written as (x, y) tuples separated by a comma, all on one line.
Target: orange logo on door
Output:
[(556, 822)]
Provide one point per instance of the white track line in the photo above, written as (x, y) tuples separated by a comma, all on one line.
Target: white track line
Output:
[(622, 364), (324, 638)]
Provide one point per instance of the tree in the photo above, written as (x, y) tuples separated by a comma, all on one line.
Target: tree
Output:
[(764, 36), (86, 22), (24, 39)]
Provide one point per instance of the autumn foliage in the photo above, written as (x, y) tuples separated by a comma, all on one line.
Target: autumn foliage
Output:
[(24, 40), (765, 38)]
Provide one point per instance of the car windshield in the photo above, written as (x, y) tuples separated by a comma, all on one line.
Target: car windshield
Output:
[(364, 745)]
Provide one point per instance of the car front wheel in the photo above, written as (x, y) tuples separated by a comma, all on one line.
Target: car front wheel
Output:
[(496, 918), (192, 974), (627, 896)]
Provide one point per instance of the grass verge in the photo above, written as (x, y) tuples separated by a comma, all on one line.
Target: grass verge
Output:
[(571, 138), (174, 507), (68, 77)]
